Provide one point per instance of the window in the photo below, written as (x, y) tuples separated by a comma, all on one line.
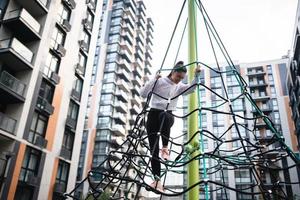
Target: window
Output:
[(109, 77), (238, 104), (234, 133), (275, 104), (58, 37), (218, 119), (111, 57), (273, 91), (216, 82), (106, 110), (114, 38), (68, 140), (108, 87), (234, 91), (111, 67), (276, 117), (106, 98), (270, 78), (46, 91), (30, 164), (78, 84), (101, 148), (242, 176), (73, 110), (62, 173), (52, 65), (269, 68), (104, 122), (232, 80), (64, 13), (204, 120), (82, 60), (38, 126)]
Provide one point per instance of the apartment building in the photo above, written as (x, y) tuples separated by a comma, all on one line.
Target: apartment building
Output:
[(122, 63), (266, 84), (45, 53)]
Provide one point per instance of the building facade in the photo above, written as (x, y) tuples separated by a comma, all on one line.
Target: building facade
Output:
[(266, 84), (293, 78), (122, 64), (45, 51)]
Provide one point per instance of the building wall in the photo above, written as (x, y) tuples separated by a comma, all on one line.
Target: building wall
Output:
[(122, 59), (34, 152), (274, 104)]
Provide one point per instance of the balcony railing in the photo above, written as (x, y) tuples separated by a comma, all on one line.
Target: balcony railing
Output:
[(44, 106), (18, 47), (12, 83), (23, 14), (7, 123)]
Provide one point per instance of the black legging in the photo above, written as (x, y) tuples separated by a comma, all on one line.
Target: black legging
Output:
[(155, 118)]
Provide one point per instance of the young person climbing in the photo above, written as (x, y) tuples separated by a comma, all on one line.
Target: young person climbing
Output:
[(160, 114)]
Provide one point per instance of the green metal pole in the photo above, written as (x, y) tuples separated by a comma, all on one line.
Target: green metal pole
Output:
[(193, 168)]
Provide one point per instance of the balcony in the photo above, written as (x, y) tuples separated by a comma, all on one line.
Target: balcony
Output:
[(71, 123), (65, 153), (148, 55), (40, 141), (135, 90), (126, 55), (11, 89), (123, 74), (116, 141), (7, 123), (80, 70), (59, 50), (35, 7), (123, 85), (126, 46), (23, 25), (121, 95), (124, 64), (121, 107), (137, 81), (44, 106), (76, 95), (33, 180), (119, 118), (54, 78), (256, 73), (91, 4), (128, 29), (260, 97), (118, 130), (83, 46), (136, 100), (87, 24), (16, 55), (65, 25), (70, 3), (265, 109), (138, 72), (135, 109), (59, 188)]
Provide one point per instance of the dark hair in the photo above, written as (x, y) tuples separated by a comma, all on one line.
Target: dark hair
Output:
[(178, 68)]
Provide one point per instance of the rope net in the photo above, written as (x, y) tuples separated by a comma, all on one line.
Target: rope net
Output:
[(246, 145)]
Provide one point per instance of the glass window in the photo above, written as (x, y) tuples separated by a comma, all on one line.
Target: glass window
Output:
[(68, 140), (58, 37), (46, 91), (51, 65), (104, 122), (73, 110), (273, 91), (106, 110), (38, 126), (106, 99), (30, 164), (108, 87), (62, 173), (109, 77), (242, 176), (78, 84), (270, 78), (275, 104), (64, 13)]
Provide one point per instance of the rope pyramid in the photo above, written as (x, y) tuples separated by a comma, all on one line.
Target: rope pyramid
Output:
[(127, 167)]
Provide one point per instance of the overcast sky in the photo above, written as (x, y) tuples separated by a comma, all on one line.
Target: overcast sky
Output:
[(252, 30)]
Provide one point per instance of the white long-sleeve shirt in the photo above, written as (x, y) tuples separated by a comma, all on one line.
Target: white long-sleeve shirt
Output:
[(167, 89)]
